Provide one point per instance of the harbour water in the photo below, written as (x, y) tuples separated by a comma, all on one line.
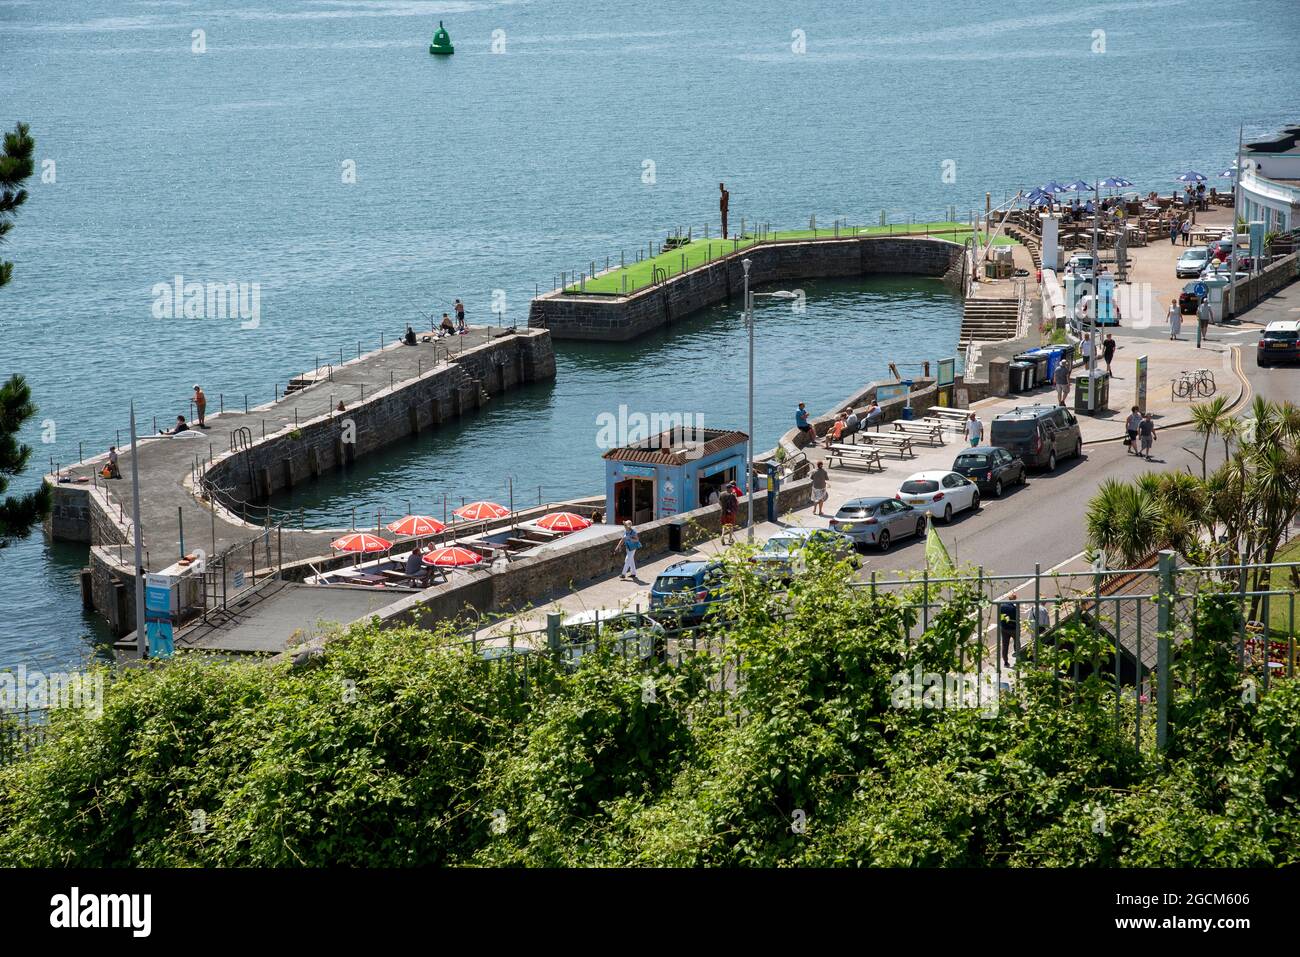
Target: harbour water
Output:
[(316, 149)]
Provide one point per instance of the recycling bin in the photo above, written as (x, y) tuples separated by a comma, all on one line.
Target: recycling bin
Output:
[(1037, 367), (1021, 376), (1102, 396)]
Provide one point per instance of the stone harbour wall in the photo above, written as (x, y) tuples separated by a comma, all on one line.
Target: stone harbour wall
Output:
[(617, 318)]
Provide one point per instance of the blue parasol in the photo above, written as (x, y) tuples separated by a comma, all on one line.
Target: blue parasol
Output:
[(1191, 176), (1079, 186)]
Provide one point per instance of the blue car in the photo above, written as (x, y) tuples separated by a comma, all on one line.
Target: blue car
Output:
[(685, 591)]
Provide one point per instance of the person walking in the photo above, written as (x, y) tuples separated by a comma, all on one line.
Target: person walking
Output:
[(1108, 351), (1131, 426), (1147, 434), (803, 425), (1173, 232), (1085, 350), (1175, 316), (200, 404), (730, 505), (1009, 626), (630, 542), (1203, 316), (1061, 379), (820, 479), (1186, 230), (974, 429)]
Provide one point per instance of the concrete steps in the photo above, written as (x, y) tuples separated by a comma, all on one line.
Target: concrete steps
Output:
[(989, 320)]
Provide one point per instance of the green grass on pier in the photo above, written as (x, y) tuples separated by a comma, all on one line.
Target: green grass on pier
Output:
[(698, 252)]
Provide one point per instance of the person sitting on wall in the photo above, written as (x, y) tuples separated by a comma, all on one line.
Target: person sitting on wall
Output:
[(446, 327), (181, 426), (409, 338)]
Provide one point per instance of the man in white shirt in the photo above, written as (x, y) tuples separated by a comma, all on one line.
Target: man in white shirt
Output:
[(1085, 349)]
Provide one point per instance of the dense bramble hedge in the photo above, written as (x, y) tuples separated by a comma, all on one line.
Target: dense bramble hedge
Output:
[(393, 750)]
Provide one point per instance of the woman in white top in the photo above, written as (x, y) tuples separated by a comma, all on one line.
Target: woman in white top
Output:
[(1175, 319)]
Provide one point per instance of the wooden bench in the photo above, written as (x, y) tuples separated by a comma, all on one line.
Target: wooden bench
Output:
[(902, 444), (920, 429), (854, 454), (945, 419)]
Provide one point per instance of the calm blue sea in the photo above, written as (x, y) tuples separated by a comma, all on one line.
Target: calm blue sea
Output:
[(494, 171)]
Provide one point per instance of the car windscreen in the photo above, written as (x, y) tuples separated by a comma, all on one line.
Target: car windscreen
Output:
[(1281, 335), (1014, 430), (972, 460), (919, 485), (780, 546), (674, 582)]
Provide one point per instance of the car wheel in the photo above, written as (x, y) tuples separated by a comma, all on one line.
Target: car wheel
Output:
[(997, 489), (883, 541), (947, 514), (1022, 475), (975, 501), (1051, 461), (1078, 449), (920, 528)]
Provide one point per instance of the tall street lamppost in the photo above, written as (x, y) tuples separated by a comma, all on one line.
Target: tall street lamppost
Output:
[(749, 439)]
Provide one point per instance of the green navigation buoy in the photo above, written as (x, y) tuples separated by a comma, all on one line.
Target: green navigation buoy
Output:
[(441, 45)]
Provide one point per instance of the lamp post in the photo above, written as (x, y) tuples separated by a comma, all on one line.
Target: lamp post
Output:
[(749, 439)]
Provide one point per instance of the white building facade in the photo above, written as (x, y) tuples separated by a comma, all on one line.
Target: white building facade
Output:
[(1270, 182)]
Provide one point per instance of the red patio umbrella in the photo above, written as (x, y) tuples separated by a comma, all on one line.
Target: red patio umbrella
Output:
[(361, 542), (452, 556), (564, 522), (477, 511), (415, 525)]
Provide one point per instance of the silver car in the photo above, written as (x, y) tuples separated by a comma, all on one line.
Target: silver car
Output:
[(878, 521), (782, 554)]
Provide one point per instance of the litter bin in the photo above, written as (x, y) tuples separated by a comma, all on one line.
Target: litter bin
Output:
[(1102, 396), (1021, 376), (677, 535), (1032, 361)]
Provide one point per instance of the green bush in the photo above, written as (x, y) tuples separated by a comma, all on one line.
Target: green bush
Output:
[(393, 749)]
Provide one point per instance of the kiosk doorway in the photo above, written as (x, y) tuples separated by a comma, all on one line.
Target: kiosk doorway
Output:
[(634, 501)]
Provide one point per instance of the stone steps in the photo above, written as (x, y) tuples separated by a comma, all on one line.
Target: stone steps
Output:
[(989, 320)]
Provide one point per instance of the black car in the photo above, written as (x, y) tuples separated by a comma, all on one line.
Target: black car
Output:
[(1038, 434), (991, 468), (1279, 342)]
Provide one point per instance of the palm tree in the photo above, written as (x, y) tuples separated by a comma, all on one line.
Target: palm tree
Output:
[(1124, 521), (1210, 419)]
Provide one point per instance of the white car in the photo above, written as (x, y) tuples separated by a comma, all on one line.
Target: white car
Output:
[(942, 494), (1192, 262)]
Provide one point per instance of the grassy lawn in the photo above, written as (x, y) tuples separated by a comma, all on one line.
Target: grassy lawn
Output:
[(1279, 606), (701, 251)]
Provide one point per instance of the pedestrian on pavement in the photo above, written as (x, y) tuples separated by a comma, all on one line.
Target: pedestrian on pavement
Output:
[(1009, 626), (974, 429), (200, 404), (730, 506), (1203, 316), (820, 479), (1175, 317), (803, 425), (1061, 379), (1085, 349), (1186, 230), (1173, 232), (1147, 433), (1108, 351), (1131, 426), (630, 542), (1042, 618)]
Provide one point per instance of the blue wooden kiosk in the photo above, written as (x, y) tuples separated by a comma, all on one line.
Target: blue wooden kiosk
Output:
[(671, 472)]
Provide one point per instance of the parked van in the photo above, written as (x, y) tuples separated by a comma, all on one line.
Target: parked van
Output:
[(1037, 434)]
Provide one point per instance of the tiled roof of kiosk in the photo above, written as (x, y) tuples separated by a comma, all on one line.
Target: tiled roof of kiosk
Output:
[(677, 447)]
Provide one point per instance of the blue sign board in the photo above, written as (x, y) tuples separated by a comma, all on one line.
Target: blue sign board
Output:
[(160, 636), (648, 471)]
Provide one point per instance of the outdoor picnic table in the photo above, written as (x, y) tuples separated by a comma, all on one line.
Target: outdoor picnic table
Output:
[(933, 432), (857, 454), (898, 443)]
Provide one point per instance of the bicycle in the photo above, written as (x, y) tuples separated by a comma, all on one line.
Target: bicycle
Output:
[(1199, 383)]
